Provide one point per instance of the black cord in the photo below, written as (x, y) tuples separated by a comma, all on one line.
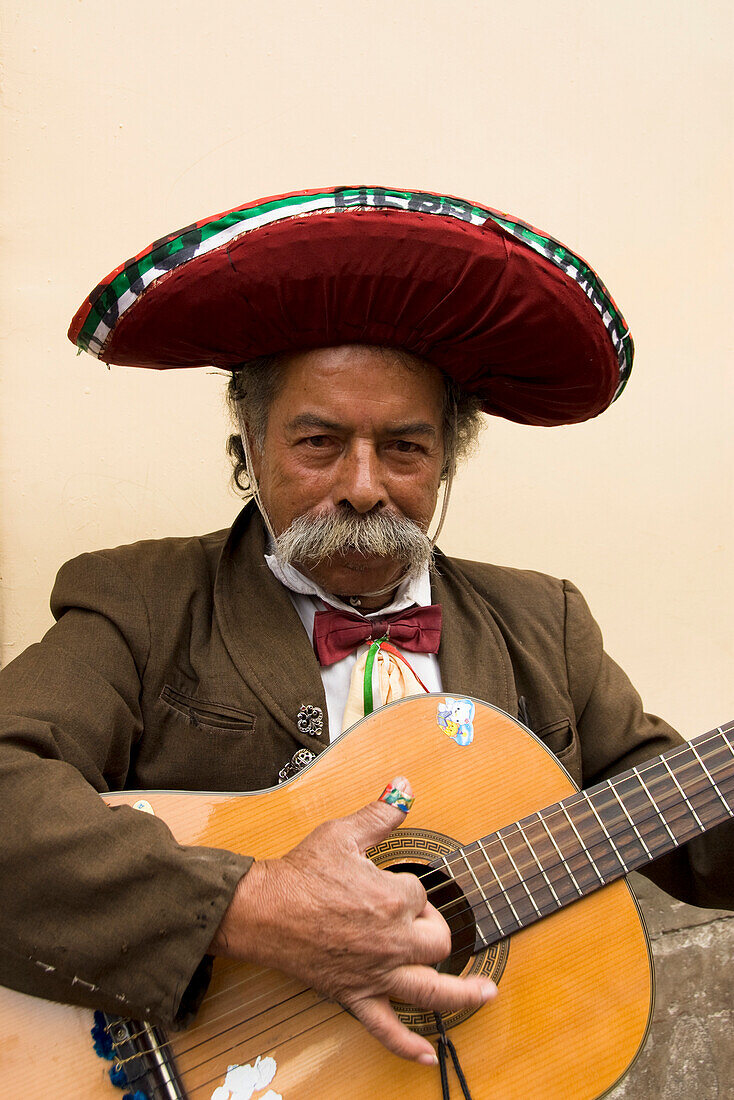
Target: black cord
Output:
[(445, 1048)]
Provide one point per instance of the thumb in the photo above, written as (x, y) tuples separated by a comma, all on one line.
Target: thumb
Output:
[(378, 819)]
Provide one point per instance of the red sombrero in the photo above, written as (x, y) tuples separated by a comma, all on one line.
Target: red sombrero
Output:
[(510, 313)]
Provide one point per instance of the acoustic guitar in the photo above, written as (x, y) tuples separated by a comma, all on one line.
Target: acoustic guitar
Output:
[(502, 838)]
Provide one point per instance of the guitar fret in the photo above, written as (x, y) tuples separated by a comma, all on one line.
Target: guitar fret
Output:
[(570, 873), (498, 880), (634, 827), (478, 885), (659, 812), (517, 872), (727, 807), (550, 858), (696, 818), (540, 866), (583, 846), (551, 884), (607, 834)]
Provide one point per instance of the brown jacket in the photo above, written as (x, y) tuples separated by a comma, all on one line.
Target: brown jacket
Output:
[(181, 663)]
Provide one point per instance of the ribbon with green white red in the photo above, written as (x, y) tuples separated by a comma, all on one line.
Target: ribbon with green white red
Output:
[(369, 665)]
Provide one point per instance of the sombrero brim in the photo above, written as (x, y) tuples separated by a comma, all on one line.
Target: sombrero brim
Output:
[(510, 313)]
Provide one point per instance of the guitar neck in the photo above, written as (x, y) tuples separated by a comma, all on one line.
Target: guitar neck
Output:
[(543, 862)]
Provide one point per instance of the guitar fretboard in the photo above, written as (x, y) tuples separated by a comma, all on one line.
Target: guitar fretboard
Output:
[(536, 866)]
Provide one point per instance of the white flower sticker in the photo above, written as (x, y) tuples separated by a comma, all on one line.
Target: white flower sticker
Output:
[(242, 1082)]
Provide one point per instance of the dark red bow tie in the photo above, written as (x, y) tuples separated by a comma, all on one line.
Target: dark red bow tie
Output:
[(338, 633)]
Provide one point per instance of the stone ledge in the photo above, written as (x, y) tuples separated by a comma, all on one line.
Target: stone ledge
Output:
[(689, 1054)]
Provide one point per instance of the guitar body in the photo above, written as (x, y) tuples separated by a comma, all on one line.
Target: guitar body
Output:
[(575, 989)]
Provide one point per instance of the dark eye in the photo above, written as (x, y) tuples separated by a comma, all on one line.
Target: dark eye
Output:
[(317, 441), (405, 446)]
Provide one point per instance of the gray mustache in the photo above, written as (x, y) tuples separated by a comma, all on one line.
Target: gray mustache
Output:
[(312, 539)]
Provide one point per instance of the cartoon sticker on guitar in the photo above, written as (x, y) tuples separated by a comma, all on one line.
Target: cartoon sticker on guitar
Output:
[(456, 718)]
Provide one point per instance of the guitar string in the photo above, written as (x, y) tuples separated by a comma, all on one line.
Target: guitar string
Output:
[(519, 885), (206, 1025), (155, 1090), (317, 1004), (582, 854), (646, 767), (498, 903), (243, 1022), (219, 1076), (212, 1080), (512, 830), (225, 967), (505, 893), (579, 856), (289, 980), (228, 990), (238, 1045), (580, 798), (250, 1038), (643, 769), (268, 1050)]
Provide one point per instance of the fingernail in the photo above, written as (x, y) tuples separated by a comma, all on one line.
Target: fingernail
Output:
[(428, 1059), (398, 793), (489, 990)]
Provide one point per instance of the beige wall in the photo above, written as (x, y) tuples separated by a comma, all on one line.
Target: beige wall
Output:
[(606, 124)]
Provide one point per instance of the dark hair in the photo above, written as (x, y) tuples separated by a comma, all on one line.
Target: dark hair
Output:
[(254, 385)]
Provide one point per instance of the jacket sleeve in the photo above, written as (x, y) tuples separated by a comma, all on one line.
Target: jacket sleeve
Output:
[(99, 906), (616, 734)]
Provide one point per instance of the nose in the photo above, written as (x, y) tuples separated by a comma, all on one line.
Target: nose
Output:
[(360, 479)]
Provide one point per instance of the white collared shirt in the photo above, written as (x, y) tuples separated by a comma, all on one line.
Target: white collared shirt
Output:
[(308, 598)]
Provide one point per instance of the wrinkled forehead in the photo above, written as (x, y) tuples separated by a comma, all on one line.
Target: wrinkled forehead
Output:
[(355, 372)]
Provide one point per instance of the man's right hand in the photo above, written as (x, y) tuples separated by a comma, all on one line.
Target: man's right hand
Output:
[(327, 915)]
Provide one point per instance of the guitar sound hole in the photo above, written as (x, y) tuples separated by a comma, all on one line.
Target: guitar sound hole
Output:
[(445, 895)]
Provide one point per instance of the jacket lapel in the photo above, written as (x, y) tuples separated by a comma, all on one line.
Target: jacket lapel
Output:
[(473, 657), (263, 633)]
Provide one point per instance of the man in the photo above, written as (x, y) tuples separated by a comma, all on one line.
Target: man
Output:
[(365, 328)]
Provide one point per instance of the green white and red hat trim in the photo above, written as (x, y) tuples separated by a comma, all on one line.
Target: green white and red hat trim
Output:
[(508, 311)]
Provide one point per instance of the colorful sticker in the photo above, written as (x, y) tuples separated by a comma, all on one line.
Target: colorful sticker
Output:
[(456, 718), (242, 1082), (398, 794)]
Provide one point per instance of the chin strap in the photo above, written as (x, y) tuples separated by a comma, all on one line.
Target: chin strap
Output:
[(447, 486), (255, 489)]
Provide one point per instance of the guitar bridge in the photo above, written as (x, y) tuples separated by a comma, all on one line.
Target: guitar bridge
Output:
[(142, 1059)]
